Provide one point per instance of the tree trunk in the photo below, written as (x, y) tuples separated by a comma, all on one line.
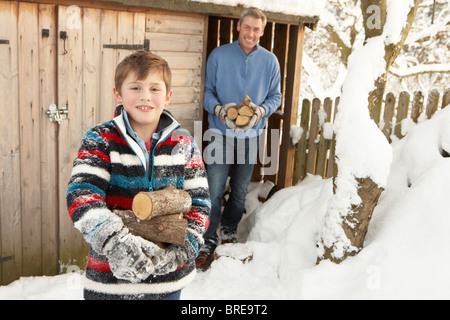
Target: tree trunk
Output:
[(356, 223)]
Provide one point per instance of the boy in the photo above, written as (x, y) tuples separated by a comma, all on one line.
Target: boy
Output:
[(141, 149)]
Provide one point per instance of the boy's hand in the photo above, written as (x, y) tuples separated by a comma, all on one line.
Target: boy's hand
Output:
[(183, 254), (128, 256), (164, 263)]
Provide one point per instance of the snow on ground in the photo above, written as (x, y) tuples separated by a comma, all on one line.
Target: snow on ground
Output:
[(405, 254)]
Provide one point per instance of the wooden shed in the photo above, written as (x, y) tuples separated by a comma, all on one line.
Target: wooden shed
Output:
[(57, 61)]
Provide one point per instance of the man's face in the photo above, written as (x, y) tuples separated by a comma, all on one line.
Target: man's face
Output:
[(250, 31)]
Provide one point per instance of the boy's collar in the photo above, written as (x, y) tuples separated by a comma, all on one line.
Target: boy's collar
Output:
[(164, 121)]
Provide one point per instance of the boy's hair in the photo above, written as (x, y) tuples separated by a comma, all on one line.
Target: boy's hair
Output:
[(141, 63), (255, 13)]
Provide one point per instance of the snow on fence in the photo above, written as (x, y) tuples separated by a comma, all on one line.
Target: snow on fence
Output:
[(314, 151)]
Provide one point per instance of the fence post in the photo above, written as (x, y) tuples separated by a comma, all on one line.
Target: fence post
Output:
[(300, 152), (402, 113)]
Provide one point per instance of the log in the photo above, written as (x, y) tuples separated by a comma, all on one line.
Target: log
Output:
[(246, 111), (147, 205), (242, 120), (160, 230), (242, 113), (232, 113), (246, 101)]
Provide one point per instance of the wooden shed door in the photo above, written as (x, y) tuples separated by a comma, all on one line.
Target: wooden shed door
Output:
[(50, 55)]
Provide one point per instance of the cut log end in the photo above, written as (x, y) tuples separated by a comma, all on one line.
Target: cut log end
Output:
[(232, 113), (147, 205), (142, 206), (242, 120)]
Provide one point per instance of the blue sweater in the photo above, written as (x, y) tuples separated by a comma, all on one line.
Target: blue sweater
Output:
[(231, 75)]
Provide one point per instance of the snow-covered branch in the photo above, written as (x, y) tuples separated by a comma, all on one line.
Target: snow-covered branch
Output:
[(420, 69)]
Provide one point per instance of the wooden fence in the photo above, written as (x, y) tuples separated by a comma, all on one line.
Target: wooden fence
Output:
[(315, 153)]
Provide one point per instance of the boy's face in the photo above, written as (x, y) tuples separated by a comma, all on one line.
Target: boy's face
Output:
[(250, 31), (143, 100)]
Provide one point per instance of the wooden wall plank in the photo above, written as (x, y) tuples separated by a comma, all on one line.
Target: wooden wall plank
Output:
[(175, 42), (29, 137), (189, 60), (10, 195), (184, 111), (174, 24), (186, 78), (185, 95)]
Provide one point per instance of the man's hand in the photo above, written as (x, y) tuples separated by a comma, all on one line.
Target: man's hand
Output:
[(221, 112), (259, 112)]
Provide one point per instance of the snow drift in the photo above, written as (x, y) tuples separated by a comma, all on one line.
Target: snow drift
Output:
[(405, 250)]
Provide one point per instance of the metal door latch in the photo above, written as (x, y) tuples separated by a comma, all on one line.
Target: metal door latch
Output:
[(57, 115), (6, 258)]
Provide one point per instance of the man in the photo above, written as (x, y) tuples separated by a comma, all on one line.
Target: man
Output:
[(233, 71)]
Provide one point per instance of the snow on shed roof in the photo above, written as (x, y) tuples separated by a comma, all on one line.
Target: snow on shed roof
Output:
[(308, 8), (290, 11)]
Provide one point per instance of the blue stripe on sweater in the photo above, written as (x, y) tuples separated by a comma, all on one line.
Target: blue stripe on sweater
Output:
[(128, 182), (162, 182), (199, 201), (91, 135), (193, 241), (79, 186)]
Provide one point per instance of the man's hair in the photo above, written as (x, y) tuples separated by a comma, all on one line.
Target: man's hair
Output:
[(255, 13), (141, 63)]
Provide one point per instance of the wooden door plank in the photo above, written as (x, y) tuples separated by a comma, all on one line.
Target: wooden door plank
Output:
[(91, 67), (10, 205), (108, 64), (73, 249), (48, 137)]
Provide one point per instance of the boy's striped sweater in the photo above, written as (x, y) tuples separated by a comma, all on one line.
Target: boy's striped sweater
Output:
[(109, 171)]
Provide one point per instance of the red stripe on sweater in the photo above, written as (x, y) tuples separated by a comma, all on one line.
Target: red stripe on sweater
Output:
[(98, 265), (199, 217), (83, 200), (173, 140), (109, 136), (195, 162), (83, 154), (117, 201)]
